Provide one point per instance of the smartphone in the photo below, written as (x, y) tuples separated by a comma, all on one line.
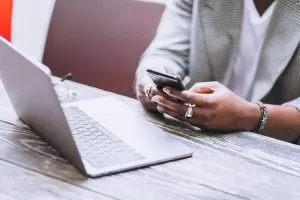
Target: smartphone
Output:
[(162, 80)]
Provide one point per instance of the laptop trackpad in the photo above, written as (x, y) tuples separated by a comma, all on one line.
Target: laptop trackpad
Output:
[(131, 127)]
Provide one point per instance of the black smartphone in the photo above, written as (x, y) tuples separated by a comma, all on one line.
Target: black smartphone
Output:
[(162, 80)]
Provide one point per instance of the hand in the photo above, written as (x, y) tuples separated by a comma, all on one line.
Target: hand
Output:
[(216, 107), (140, 85)]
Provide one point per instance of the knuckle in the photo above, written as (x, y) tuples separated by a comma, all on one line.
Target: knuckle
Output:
[(189, 97), (211, 101), (209, 117), (163, 101)]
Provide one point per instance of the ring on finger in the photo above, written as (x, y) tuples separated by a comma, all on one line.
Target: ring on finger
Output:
[(189, 113), (147, 90)]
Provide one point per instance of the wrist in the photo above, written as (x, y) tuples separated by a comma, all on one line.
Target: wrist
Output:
[(252, 116)]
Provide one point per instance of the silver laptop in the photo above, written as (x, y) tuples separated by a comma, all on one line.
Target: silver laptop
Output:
[(99, 137)]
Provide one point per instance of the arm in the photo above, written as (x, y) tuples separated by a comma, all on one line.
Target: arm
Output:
[(170, 47), (169, 50), (221, 109), (284, 121)]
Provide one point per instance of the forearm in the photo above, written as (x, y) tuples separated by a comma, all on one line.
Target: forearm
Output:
[(283, 122), (169, 50)]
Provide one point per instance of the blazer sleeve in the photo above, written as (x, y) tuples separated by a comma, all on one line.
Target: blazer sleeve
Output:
[(170, 47)]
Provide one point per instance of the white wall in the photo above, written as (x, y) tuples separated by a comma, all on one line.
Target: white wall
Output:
[(30, 24)]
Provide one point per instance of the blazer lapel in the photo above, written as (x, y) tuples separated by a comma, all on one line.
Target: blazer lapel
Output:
[(221, 22), (281, 42)]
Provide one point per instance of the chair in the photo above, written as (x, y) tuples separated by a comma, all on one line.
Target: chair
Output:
[(100, 41)]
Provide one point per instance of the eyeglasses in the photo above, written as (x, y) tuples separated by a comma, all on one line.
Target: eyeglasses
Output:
[(64, 93)]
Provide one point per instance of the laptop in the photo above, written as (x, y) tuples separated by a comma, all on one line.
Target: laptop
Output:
[(99, 137)]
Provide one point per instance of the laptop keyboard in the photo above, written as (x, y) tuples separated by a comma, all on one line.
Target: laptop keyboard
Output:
[(97, 144)]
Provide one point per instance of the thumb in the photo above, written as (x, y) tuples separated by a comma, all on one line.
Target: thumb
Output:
[(205, 87), (203, 90)]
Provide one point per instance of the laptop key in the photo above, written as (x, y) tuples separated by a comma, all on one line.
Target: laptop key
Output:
[(96, 143)]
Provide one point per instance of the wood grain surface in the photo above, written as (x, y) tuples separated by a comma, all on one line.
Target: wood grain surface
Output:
[(223, 166)]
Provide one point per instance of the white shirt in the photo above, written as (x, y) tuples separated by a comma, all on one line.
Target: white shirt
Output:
[(254, 29)]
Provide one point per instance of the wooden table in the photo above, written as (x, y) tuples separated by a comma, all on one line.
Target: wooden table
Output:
[(231, 166)]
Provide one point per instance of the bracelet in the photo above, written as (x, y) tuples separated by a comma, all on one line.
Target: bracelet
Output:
[(263, 118)]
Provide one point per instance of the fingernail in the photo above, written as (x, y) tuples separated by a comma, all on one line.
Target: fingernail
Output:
[(166, 90)]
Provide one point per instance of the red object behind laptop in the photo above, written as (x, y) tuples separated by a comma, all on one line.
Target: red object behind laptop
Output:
[(5, 18)]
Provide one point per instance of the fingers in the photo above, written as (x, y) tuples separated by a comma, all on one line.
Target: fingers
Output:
[(146, 99), (179, 108), (192, 97), (201, 117), (170, 112), (156, 92), (201, 94), (203, 90), (205, 87), (170, 104), (193, 120), (141, 92)]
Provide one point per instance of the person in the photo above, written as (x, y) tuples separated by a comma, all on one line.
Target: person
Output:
[(239, 59)]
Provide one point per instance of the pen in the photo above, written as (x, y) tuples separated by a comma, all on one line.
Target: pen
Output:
[(67, 76)]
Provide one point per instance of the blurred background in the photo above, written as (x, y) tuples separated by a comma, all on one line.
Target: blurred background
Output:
[(99, 41)]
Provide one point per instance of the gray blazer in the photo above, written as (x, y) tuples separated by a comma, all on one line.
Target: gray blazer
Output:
[(199, 40)]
